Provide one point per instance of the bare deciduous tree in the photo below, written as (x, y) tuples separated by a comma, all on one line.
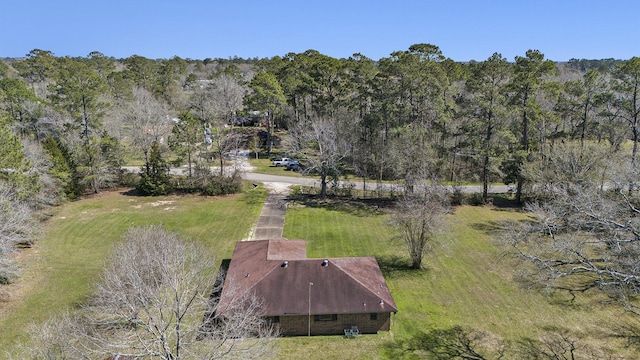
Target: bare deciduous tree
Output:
[(154, 300), (419, 217), (323, 145), (147, 120), (569, 164), (55, 339), (413, 158), (49, 192), (224, 98), (17, 228), (585, 232), (227, 94)]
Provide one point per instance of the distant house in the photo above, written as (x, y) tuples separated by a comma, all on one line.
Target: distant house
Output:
[(309, 296)]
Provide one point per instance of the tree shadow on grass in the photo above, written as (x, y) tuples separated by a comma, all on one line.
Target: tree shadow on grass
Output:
[(491, 227), (453, 343), (131, 192), (358, 207), (629, 331), (462, 342), (497, 227), (504, 202), (391, 265), (176, 192)]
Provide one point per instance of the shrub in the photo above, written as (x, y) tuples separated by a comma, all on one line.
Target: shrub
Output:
[(129, 179), (457, 196), (154, 186), (476, 199), (222, 185)]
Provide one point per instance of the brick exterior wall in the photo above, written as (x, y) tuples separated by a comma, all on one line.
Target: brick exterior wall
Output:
[(298, 325)]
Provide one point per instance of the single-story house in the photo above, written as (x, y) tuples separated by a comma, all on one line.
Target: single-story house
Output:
[(309, 296)]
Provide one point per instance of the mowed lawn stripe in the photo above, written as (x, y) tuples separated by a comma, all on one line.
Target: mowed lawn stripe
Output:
[(334, 233), (468, 279)]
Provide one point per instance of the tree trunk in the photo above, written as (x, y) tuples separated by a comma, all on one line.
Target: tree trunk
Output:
[(525, 147), (323, 184), (519, 189), (485, 162), (268, 134), (190, 171), (485, 178), (221, 163)]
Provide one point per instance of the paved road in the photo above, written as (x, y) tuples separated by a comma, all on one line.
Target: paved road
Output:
[(310, 181)]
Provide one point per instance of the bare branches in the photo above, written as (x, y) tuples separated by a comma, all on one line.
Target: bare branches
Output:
[(215, 106), (154, 300), (453, 343), (147, 120), (227, 93), (324, 146), (583, 234), (17, 228), (419, 218)]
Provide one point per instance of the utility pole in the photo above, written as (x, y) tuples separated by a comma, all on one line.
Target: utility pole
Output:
[(309, 331)]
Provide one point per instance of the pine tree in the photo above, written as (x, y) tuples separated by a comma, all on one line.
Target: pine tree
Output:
[(155, 174)]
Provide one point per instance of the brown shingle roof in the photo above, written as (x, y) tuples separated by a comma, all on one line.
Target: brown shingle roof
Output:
[(343, 285)]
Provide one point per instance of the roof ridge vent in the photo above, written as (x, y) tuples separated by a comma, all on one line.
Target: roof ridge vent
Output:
[(325, 262)]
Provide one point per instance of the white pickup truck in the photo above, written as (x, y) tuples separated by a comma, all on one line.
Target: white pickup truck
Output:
[(283, 162)]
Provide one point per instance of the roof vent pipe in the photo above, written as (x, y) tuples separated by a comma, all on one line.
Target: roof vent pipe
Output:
[(285, 264), (325, 262)]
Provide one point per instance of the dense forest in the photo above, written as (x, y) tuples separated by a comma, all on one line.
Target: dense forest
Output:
[(411, 116)]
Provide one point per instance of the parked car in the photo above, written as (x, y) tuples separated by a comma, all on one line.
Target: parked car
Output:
[(282, 162), (295, 166)]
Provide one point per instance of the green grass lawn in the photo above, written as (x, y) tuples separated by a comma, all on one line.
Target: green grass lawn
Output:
[(69, 256), (467, 281)]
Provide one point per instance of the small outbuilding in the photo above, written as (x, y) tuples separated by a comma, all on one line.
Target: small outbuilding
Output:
[(345, 296)]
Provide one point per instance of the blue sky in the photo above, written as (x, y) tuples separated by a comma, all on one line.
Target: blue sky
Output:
[(198, 29)]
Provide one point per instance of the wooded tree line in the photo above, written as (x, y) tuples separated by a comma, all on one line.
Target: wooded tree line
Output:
[(418, 116), (412, 116)]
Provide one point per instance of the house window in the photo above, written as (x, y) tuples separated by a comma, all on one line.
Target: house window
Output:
[(326, 317), (373, 316)]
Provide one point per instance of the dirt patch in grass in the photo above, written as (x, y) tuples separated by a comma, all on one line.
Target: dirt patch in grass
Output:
[(164, 203), (277, 187), (160, 203)]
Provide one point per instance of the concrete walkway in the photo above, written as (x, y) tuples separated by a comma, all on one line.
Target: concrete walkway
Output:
[(271, 221)]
